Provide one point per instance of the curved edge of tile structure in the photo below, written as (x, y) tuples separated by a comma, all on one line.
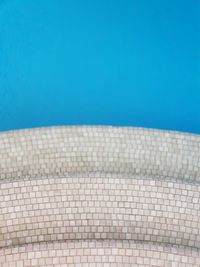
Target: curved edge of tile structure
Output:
[(99, 196), (57, 150)]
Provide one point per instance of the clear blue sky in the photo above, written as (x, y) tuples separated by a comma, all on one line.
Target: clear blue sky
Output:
[(107, 62)]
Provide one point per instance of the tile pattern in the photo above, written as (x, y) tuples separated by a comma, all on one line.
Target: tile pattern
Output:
[(99, 207), (59, 150), (93, 253), (99, 196)]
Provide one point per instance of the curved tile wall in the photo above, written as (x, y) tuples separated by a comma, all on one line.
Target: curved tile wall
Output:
[(90, 253), (99, 208), (57, 150), (96, 187)]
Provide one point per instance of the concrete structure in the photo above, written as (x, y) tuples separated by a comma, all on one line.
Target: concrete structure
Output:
[(99, 196)]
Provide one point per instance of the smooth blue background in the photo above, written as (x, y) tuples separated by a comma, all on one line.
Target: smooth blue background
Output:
[(116, 62)]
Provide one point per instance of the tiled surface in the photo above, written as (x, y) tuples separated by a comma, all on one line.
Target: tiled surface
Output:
[(99, 208), (57, 150), (99, 196), (93, 253)]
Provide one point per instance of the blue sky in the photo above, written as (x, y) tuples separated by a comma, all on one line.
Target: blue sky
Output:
[(125, 63)]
